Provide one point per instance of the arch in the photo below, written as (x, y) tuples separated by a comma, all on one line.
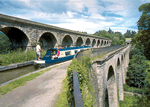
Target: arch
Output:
[(121, 57), (106, 100), (88, 42), (47, 40), (93, 42), (79, 41), (102, 43), (67, 41), (112, 89), (118, 62), (98, 43), (17, 37), (105, 43)]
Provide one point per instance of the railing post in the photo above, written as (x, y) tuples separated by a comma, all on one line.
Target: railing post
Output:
[(77, 93)]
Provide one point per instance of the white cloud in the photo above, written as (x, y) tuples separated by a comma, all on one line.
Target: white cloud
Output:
[(97, 16)]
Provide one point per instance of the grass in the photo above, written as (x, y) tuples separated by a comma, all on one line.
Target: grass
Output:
[(62, 101), (18, 57), (129, 100), (20, 82)]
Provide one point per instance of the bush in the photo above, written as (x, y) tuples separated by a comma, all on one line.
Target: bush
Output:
[(82, 67)]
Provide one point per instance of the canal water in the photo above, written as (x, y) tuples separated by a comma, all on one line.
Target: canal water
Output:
[(13, 73)]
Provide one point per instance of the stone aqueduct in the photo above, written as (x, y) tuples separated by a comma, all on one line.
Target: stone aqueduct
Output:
[(108, 76), (27, 33), (108, 73)]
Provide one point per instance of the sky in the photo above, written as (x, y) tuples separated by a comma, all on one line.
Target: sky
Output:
[(78, 15)]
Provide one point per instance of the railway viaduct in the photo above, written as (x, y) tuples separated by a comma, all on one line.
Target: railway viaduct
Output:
[(25, 33), (108, 76)]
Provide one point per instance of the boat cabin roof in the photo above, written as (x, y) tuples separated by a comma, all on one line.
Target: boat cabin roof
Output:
[(68, 48)]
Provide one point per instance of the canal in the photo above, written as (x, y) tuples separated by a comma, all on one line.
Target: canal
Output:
[(14, 73)]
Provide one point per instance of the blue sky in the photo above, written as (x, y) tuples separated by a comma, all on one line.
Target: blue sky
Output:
[(79, 15)]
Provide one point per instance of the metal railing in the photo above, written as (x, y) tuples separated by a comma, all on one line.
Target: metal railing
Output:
[(77, 94)]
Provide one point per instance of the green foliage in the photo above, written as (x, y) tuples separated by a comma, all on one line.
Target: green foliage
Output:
[(18, 56), (135, 51), (136, 71), (82, 67), (117, 38), (142, 39), (129, 34), (4, 43)]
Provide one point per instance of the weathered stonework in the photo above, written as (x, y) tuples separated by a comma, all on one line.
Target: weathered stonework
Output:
[(50, 36), (108, 74)]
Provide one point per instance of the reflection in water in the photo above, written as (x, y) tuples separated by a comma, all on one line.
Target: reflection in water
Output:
[(11, 74)]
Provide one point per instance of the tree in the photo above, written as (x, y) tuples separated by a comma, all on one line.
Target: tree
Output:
[(4, 43), (142, 39), (136, 71), (110, 31)]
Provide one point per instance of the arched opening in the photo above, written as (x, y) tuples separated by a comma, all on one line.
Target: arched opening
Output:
[(112, 89), (101, 42), (120, 79), (17, 37), (88, 42), (47, 40), (79, 42), (98, 43), (106, 99), (93, 43), (67, 41), (121, 57), (105, 43)]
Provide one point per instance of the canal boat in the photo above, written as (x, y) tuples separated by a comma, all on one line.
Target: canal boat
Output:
[(65, 54)]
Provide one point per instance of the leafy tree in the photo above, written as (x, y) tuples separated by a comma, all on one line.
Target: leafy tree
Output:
[(136, 71), (142, 39), (110, 31), (135, 51), (4, 43), (117, 38)]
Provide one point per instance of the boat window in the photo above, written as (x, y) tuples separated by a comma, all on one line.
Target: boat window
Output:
[(67, 53), (53, 52)]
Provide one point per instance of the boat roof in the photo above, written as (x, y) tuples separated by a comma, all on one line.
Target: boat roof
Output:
[(68, 48)]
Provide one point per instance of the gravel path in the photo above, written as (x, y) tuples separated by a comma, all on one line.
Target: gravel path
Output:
[(40, 92)]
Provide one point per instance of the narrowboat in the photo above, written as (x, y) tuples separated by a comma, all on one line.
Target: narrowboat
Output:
[(65, 54)]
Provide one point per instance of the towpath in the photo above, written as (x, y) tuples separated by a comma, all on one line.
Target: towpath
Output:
[(40, 92)]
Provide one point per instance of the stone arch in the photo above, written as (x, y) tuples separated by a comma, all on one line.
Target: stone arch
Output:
[(102, 43), (79, 41), (88, 42), (121, 58), (67, 41), (106, 103), (98, 43), (17, 37), (112, 89), (47, 40), (119, 79), (93, 43)]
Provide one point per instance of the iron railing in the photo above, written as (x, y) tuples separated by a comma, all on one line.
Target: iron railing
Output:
[(77, 94)]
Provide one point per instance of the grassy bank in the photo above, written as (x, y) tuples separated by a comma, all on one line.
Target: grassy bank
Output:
[(66, 98), (18, 57), (20, 82)]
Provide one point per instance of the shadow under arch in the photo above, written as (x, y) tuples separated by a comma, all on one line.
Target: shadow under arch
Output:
[(67, 41), (47, 40), (79, 41), (17, 37), (93, 42), (101, 42), (111, 87), (88, 42), (98, 43)]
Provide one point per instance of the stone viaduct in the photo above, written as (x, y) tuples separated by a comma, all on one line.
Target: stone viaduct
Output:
[(108, 76), (27, 33)]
